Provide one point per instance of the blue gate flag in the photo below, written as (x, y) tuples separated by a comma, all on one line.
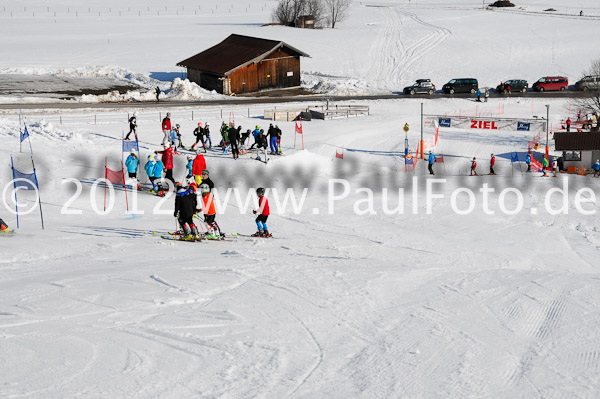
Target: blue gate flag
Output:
[(24, 134)]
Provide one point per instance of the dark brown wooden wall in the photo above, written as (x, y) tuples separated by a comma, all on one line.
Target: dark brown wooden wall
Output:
[(271, 73)]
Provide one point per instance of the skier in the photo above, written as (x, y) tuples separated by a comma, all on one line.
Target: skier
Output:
[(234, 137), (3, 227), (173, 137), (149, 168), (272, 133), (198, 166), (206, 179), (478, 93), (263, 214), (157, 90), (256, 134), (199, 133), (544, 166), (568, 125), (166, 128), (245, 137), (132, 127), (554, 168), (432, 160), (597, 168), (486, 94), (167, 160), (178, 136), (473, 167), (188, 166), (224, 135), (132, 163), (157, 187), (208, 208), (207, 134), (185, 208), (492, 163), (528, 162), (278, 130)]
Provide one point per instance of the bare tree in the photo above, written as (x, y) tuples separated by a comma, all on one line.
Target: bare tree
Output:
[(336, 10), (590, 102), (288, 11)]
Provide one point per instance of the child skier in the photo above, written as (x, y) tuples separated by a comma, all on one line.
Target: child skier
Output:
[(555, 168), (132, 163), (198, 166), (492, 163), (544, 166), (432, 159), (157, 187), (473, 167), (597, 168), (180, 144), (132, 127), (189, 165), (185, 208), (278, 130), (208, 208), (263, 214), (3, 227), (199, 134), (528, 162), (173, 137), (149, 168), (207, 135)]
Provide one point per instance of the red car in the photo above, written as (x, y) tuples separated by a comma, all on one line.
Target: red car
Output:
[(549, 83)]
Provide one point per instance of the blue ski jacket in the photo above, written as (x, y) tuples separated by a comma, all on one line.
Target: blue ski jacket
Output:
[(432, 158), (150, 168), (132, 163), (158, 169)]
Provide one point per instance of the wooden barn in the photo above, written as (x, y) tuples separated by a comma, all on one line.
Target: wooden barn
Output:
[(242, 64)]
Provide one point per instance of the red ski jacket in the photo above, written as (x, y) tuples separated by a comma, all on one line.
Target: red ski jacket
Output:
[(166, 124), (167, 157), (263, 204), (493, 161), (198, 165)]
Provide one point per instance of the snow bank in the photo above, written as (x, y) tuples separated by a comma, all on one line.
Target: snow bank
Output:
[(334, 85), (101, 71), (180, 90), (39, 129)]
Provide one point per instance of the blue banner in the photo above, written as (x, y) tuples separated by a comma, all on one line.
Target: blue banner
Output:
[(129, 145), (445, 122), (523, 126)]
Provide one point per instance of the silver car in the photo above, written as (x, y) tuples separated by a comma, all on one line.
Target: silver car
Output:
[(588, 83)]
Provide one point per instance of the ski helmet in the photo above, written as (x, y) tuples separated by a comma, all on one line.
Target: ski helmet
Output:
[(260, 191), (132, 151), (177, 126), (177, 184), (193, 186), (198, 152), (206, 124), (204, 188), (189, 157), (200, 124), (168, 114), (150, 157), (473, 158)]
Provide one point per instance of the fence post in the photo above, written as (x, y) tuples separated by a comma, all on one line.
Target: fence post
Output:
[(192, 114), (221, 114), (60, 119), (248, 112)]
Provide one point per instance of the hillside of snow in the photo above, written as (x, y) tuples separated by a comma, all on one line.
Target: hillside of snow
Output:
[(379, 48), (380, 281)]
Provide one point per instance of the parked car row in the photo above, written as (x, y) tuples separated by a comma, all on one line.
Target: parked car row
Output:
[(470, 85)]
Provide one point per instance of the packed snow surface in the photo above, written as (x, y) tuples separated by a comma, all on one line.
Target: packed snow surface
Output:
[(400, 298)]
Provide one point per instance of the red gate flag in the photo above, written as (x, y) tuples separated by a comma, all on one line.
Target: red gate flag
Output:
[(437, 132), (338, 155), (115, 177), (299, 128)]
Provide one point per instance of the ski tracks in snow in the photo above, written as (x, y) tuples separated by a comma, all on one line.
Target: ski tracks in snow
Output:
[(392, 55)]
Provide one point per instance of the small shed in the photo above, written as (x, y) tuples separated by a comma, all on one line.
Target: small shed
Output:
[(243, 64), (579, 149), (305, 22)]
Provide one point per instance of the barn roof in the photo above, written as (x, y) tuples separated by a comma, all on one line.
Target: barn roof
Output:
[(577, 141), (235, 52)]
